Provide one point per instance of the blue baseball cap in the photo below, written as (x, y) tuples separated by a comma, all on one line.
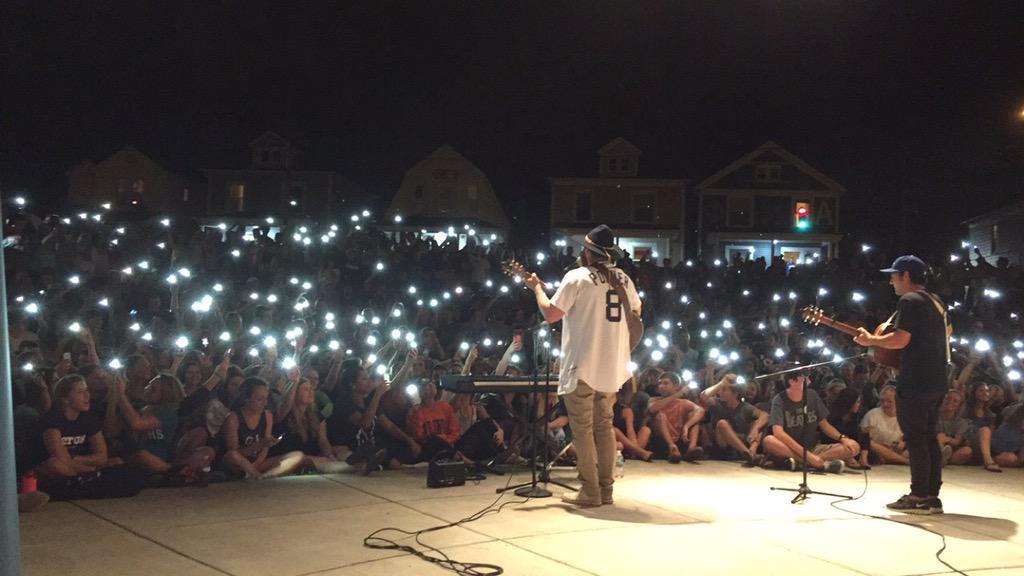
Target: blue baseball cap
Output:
[(908, 263)]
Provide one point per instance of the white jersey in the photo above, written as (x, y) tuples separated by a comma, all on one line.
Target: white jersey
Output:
[(595, 336)]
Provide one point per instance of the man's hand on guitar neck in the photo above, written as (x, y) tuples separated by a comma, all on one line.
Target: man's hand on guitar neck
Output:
[(532, 281)]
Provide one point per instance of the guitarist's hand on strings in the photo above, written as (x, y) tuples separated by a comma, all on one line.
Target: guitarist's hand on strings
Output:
[(532, 281), (863, 337)]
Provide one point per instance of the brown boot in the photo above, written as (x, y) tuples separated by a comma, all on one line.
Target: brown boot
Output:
[(579, 499)]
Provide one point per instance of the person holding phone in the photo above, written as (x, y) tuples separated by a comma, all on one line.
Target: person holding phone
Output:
[(246, 436)]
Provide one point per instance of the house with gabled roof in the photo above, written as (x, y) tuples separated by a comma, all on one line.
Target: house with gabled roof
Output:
[(769, 202), (127, 180), (445, 193), (647, 214)]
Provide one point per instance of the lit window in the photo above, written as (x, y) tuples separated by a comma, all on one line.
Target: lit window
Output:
[(236, 197)]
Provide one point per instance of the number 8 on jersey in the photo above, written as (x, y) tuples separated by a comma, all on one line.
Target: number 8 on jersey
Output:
[(613, 307)]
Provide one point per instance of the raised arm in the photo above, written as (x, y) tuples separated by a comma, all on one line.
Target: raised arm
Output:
[(550, 312), (506, 358)]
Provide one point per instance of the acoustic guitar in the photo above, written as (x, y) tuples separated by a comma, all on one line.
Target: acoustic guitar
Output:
[(884, 356), (515, 270)]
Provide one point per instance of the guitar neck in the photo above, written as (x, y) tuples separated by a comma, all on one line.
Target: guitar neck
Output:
[(841, 326)]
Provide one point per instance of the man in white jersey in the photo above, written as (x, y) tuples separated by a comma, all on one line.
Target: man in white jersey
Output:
[(601, 313)]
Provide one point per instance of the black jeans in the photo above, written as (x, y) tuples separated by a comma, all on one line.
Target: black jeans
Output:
[(918, 415)]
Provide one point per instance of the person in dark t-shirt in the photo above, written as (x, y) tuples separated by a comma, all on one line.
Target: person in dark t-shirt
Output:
[(796, 425), (921, 334), (72, 440)]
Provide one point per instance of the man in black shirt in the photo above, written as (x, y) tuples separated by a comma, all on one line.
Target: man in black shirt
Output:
[(921, 334)]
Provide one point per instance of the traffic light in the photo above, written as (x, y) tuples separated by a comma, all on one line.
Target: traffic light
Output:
[(802, 216)]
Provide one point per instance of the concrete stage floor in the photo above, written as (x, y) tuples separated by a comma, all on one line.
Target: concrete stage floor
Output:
[(705, 518)]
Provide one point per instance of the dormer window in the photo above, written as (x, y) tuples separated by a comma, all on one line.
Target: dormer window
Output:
[(768, 172), (618, 159)]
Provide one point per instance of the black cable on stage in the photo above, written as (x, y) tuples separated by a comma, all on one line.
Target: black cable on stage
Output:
[(441, 559), (938, 553)]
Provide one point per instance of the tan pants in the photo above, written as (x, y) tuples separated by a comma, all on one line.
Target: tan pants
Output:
[(590, 416)]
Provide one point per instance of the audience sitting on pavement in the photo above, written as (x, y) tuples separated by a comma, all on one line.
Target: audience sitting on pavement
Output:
[(952, 430), (242, 325), (797, 417), (887, 445), (981, 420), (674, 421), (738, 426)]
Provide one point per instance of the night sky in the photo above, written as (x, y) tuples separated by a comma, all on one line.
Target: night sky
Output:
[(885, 98)]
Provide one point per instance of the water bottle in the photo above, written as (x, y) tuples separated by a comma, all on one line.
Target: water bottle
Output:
[(620, 464), (29, 483)]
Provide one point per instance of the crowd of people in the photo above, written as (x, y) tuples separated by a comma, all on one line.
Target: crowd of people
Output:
[(161, 352)]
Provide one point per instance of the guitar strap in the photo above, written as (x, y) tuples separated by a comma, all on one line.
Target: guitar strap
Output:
[(945, 322)]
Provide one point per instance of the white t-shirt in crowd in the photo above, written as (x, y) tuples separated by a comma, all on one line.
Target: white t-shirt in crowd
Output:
[(883, 429), (595, 336)]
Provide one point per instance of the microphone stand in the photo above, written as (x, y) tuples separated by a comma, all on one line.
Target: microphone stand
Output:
[(531, 489), (804, 490)]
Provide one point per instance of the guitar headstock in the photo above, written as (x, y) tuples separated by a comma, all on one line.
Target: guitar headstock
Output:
[(514, 269), (813, 315)]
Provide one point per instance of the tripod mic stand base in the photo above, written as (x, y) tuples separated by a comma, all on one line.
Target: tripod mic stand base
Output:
[(803, 492), (532, 491)]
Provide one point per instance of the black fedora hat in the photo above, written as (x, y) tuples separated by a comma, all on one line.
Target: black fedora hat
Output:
[(601, 241)]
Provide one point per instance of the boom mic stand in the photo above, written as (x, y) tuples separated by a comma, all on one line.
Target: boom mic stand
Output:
[(804, 490)]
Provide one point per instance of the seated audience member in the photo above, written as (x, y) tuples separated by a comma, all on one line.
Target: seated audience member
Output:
[(674, 421), (156, 452), (139, 371), (353, 422), (432, 424), (952, 430), (832, 390), (303, 429), (246, 436), (737, 425), (793, 431), (845, 414), (220, 405), (880, 423), (980, 422), (122, 422), (1008, 438), (631, 440), (31, 397), (73, 447), (192, 409)]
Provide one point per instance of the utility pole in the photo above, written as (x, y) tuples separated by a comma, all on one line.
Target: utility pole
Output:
[(10, 540)]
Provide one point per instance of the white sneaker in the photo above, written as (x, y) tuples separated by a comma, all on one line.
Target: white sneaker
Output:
[(330, 466), (285, 466), (947, 454)]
